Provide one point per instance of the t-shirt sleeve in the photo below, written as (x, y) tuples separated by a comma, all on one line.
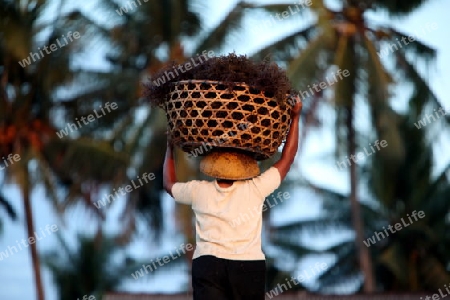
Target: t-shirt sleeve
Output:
[(183, 192), (268, 181)]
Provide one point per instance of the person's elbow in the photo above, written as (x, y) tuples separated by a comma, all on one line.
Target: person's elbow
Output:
[(283, 167)]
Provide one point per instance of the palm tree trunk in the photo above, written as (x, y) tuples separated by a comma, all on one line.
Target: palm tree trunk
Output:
[(30, 232), (365, 261)]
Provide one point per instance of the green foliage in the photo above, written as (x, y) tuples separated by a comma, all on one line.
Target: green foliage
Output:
[(120, 144), (344, 39), (402, 189), (8, 208), (397, 7), (91, 268)]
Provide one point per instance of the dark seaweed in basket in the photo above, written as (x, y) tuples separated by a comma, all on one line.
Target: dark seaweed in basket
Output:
[(264, 76)]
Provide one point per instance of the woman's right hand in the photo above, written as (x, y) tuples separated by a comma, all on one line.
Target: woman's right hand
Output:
[(297, 108)]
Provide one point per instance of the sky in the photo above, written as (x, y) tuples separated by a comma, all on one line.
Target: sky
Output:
[(315, 163)]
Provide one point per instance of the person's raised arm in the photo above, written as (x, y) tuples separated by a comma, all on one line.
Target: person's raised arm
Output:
[(290, 148), (169, 175)]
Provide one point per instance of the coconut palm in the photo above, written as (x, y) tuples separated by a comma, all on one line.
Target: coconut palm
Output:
[(340, 38), (30, 111), (413, 259), (36, 110), (345, 40), (99, 264), (145, 43), (417, 257)]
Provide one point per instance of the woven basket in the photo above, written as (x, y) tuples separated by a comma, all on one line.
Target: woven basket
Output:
[(209, 114)]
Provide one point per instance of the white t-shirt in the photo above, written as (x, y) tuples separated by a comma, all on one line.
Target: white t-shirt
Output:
[(228, 220)]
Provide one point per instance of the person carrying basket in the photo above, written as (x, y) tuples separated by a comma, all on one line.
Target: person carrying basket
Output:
[(228, 262)]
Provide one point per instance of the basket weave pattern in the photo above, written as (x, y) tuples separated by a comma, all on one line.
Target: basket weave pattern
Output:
[(200, 112)]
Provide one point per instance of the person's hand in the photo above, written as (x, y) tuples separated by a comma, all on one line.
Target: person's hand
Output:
[(297, 108)]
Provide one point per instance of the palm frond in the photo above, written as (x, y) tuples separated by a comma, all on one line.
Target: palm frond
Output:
[(85, 158), (377, 76), (19, 37), (436, 203), (393, 259), (10, 211), (422, 92), (397, 8), (346, 263), (293, 247), (434, 274), (167, 262), (384, 118), (309, 64), (217, 36), (287, 47), (48, 179), (293, 229), (418, 49), (89, 269), (279, 7)]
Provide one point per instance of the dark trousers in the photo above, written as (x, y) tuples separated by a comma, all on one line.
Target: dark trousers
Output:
[(222, 279)]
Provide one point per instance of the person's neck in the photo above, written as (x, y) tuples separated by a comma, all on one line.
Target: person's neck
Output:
[(224, 183)]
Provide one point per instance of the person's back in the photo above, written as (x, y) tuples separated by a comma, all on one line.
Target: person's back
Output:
[(228, 219), (228, 260)]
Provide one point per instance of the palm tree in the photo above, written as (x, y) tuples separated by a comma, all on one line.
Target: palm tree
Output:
[(345, 40), (143, 42), (91, 269), (417, 257), (78, 164), (29, 104), (146, 42), (337, 39), (99, 264), (412, 259)]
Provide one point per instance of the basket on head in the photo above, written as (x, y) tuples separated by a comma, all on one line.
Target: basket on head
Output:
[(201, 113)]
